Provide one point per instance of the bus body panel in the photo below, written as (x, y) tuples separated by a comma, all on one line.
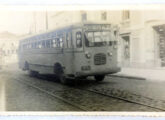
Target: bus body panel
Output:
[(109, 67), (73, 60)]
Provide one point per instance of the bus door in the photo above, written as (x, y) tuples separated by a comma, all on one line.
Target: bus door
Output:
[(68, 53), (77, 47)]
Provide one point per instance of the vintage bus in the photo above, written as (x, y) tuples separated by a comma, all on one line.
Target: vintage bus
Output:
[(79, 50)]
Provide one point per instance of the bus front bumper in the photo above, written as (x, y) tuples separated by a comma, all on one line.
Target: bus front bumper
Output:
[(98, 72)]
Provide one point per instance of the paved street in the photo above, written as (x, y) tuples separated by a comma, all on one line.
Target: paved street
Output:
[(19, 92)]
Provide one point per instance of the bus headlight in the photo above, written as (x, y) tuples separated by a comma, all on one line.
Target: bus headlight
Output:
[(115, 46), (88, 55), (109, 53)]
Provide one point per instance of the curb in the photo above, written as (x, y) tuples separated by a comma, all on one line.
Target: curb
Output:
[(129, 77)]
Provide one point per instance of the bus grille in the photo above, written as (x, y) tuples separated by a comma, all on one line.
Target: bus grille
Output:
[(100, 59)]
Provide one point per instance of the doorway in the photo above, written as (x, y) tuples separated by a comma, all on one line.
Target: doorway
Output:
[(160, 31), (126, 50)]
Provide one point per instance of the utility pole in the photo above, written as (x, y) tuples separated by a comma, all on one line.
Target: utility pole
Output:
[(46, 20), (34, 17)]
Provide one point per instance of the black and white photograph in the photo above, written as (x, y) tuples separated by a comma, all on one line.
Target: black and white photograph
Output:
[(81, 58)]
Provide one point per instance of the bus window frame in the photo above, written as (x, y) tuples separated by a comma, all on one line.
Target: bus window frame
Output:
[(68, 43), (39, 44), (79, 37), (48, 45), (74, 39), (61, 42), (60, 39), (111, 39), (53, 44), (43, 43)]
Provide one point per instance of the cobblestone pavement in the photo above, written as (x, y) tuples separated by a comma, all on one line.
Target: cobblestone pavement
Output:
[(19, 92), (152, 89)]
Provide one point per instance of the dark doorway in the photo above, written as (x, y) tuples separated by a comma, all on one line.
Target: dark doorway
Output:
[(126, 49), (160, 30)]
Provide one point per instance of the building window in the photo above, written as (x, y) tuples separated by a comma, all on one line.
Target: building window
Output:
[(84, 16), (104, 16), (126, 14)]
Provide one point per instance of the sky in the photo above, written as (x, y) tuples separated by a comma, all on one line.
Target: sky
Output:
[(17, 22), (20, 22)]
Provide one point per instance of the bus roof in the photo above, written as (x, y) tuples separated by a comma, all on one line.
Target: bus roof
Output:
[(71, 26)]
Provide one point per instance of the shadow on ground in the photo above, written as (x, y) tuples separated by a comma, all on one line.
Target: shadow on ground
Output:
[(75, 82)]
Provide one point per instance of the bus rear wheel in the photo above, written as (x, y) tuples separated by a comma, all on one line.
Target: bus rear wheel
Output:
[(32, 73), (99, 77), (58, 70), (62, 79)]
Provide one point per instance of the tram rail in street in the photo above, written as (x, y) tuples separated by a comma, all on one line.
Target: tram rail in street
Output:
[(112, 93), (130, 97)]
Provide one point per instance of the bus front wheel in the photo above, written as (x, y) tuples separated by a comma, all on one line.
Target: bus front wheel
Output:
[(99, 77), (62, 79), (32, 73)]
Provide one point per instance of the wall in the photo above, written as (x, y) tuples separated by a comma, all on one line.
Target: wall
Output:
[(143, 44)]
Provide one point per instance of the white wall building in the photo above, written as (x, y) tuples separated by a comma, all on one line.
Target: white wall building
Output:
[(142, 33), (8, 48)]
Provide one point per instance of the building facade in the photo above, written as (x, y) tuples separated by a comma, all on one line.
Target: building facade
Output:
[(142, 33), (8, 48)]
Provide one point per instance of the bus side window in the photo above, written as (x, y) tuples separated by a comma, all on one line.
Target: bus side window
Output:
[(61, 42), (40, 44), (53, 43), (67, 40), (43, 44), (57, 42), (47, 43), (24, 46), (32, 45), (35, 45), (78, 39)]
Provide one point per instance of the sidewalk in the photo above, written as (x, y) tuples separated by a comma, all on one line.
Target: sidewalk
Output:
[(156, 74)]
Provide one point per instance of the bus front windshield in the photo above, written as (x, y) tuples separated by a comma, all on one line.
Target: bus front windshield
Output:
[(97, 38)]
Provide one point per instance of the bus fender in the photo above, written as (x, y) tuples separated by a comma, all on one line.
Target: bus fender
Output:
[(26, 66), (58, 69)]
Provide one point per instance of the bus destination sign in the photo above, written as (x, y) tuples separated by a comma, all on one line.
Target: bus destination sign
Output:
[(97, 26)]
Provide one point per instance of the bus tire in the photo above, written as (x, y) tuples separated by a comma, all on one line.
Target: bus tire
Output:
[(62, 79), (32, 73), (58, 70), (99, 77), (26, 66)]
